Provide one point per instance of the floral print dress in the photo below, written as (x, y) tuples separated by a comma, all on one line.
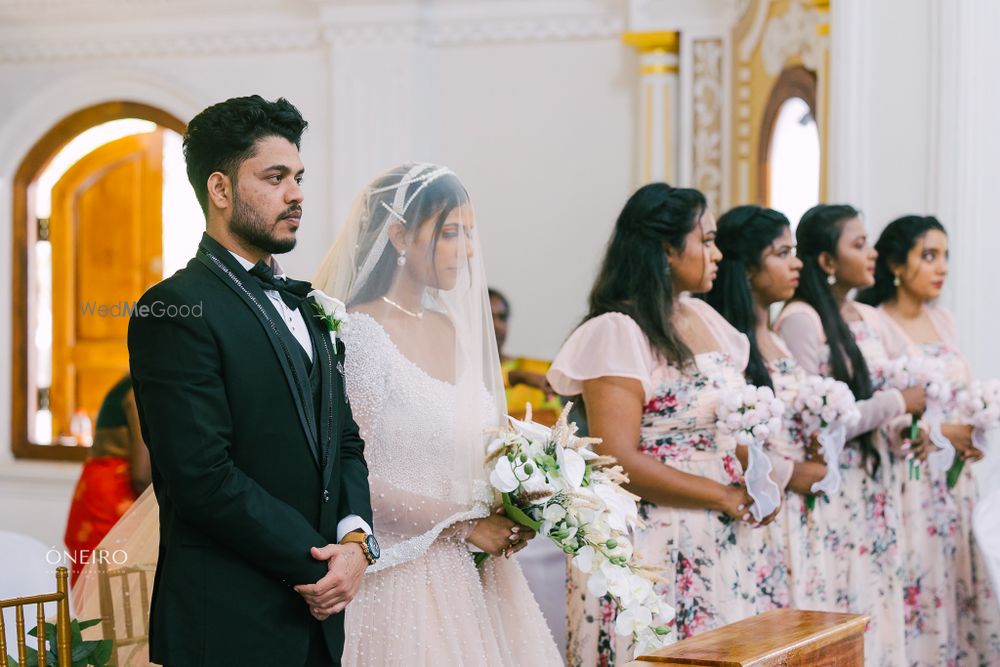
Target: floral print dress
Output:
[(711, 565), (929, 538), (856, 537), (952, 614), (812, 539)]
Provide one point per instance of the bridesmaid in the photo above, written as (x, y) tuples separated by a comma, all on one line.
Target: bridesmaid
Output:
[(830, 334), (650, 365), (760, 268), (951, 610)]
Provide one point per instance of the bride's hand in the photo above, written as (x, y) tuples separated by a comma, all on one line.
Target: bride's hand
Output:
[(497, 535)]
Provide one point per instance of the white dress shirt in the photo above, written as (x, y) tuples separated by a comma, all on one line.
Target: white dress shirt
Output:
[(297, 327)]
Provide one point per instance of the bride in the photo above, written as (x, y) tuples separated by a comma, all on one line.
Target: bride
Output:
[(425, 386)]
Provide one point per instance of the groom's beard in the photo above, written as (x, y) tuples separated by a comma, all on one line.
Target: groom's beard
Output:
[(250, 226)]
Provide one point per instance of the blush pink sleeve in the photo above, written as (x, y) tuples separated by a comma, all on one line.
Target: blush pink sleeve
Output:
[(610, 345)]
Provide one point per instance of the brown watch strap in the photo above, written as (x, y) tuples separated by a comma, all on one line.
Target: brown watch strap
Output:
[(360, 538)]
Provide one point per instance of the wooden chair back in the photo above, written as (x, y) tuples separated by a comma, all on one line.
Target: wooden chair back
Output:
[(61, 600)]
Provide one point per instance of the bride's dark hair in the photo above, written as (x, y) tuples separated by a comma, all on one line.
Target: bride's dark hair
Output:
[(635, 277), (431, 205)]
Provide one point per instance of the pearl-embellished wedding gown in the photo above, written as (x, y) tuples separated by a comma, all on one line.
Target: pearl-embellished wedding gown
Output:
[(425, 602)]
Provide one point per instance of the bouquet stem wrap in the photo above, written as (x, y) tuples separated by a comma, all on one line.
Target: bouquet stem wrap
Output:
[(752, 415), (832, 439)]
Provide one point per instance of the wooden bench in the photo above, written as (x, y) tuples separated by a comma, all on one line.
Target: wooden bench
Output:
[(779, 638)]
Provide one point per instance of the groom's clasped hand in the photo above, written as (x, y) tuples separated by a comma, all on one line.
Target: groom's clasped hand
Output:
[(346, 565)]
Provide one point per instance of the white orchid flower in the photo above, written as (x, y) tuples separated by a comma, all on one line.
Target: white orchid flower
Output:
[(631, 620), (622, 510), (584, 559), (503, 477), (572, 466), (597, 583), (554, 513)]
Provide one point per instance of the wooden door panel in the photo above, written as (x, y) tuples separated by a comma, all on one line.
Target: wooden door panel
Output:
[(106, 234)]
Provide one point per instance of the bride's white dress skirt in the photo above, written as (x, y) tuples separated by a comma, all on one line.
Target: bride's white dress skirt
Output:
[(440, 610)]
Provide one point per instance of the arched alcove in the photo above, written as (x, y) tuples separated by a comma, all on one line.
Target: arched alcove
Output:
[(789, 159), (31, 165)]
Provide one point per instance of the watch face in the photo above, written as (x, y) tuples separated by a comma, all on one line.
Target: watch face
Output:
[(372, 545)]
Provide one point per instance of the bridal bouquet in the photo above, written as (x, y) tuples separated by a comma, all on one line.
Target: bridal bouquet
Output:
[(827, 406), (908, 372), (551, 481), (751, 415), (978, 406)]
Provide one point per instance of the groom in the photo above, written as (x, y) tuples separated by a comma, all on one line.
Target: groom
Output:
[(258, 467)]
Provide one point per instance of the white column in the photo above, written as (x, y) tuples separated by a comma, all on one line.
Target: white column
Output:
[(847, 163), (659, 105), (962, 168), (378, 81)]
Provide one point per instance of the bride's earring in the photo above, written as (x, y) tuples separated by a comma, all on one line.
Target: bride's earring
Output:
[(895, 281), (401, 260), (831, 280)]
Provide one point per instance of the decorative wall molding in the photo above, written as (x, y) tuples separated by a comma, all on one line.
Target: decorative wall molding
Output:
[(45, 36), (793, 34), (740, 8), (677, 15), (546, 29), (58, 48), (707, 123), (760, 9), (771, 36)]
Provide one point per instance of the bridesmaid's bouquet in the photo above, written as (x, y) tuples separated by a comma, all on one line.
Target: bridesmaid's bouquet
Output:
[(553, 482), (908, 372), (978, 406), (827, 407), (751, 415)]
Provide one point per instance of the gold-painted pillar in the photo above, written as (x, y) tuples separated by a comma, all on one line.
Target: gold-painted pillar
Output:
[(659, 104)]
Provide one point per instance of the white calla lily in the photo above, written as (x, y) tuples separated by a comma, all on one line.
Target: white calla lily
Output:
[(532, 431)]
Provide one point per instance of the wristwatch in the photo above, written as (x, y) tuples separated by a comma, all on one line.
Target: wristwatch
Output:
[(368, 544)]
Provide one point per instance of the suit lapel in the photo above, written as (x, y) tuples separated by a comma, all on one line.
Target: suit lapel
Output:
[(326, 357), (218, 260)]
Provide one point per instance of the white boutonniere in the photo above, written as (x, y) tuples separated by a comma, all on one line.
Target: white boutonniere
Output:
[(332, 312)]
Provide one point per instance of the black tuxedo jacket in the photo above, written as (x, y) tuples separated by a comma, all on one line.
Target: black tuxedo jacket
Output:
[(249, 471)]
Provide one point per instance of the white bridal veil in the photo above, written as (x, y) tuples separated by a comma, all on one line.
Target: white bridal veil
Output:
[(409, 266)]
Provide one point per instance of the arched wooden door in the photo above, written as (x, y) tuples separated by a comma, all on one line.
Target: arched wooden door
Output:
[(106, 235)]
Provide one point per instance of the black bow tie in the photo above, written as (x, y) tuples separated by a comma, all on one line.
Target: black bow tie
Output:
[(292, 292)]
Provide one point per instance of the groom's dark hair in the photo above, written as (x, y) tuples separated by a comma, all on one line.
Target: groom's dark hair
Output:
[(222, 136)]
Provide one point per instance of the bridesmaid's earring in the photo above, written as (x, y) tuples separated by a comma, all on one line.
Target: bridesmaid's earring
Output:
[(895, 281), (401, 260), (831, 280)]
